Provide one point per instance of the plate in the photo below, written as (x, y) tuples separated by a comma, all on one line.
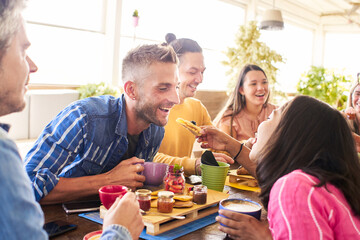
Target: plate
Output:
[(240, 181), (241, 186), (93, 235)]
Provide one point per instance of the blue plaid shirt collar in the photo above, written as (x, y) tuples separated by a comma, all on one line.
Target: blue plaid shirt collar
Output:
[(5, 126), (121, 126)]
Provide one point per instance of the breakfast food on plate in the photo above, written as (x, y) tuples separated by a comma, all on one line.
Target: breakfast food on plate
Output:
[(242, 171), (243, 180), (154, 193), (183, 198), (179, 204), (189, 126), (252, 183), (153, 203)]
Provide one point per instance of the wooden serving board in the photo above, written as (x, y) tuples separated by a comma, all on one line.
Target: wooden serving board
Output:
[(158, 224), (240, 181)]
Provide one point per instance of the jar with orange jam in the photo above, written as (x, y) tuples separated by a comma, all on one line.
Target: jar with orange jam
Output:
[(165, 201)]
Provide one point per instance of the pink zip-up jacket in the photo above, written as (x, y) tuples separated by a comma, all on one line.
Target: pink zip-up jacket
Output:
[(298, 210)]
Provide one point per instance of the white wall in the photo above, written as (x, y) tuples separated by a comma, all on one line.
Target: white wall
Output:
[(19, 122), (41, 107)]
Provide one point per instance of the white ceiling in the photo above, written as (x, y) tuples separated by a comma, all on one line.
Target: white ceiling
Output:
[(328, 6), (341, 9), (332, 14)]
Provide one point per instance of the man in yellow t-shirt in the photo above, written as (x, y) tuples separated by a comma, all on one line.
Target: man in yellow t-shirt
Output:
[(177, 145)]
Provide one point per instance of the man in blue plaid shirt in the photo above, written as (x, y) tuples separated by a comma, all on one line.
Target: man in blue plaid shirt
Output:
[(103, 140)]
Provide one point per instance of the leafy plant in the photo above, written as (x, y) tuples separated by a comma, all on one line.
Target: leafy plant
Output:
[(92, 89), (249, 50), (135, 13), (325, 85), (176, 168)]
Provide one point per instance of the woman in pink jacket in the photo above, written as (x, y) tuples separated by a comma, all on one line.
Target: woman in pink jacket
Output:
[(308, 171)]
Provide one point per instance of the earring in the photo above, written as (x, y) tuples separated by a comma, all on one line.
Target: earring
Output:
[(133, 98)]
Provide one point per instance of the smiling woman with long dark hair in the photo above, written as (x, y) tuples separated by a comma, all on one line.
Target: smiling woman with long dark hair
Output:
[(247, 106)]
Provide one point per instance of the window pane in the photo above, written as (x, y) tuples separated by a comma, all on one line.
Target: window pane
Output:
[(84, 14), (342, 57), (211, 23), (66, 56), (295, 44)]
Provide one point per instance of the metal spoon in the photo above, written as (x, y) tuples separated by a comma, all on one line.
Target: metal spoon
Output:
[(160, 214)]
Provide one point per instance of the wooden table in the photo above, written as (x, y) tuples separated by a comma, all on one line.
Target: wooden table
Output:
[(84, 226)]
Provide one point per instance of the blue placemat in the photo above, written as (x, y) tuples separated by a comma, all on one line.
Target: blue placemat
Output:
[(93, 216), (172, 234)]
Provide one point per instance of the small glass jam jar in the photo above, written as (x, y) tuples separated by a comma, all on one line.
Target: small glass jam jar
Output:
[(165, 201), (174, 181), (200, 194), (144, 198)]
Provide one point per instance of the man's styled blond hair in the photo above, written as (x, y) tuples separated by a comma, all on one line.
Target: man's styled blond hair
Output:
[(138, 60)]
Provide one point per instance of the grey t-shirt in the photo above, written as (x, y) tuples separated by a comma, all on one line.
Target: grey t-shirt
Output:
[(133, 140)]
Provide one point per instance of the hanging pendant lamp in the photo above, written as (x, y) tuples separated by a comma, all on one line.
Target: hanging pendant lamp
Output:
[(272, 19)]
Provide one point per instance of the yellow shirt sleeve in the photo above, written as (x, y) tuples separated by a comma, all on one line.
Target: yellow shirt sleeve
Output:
[(178, 142)]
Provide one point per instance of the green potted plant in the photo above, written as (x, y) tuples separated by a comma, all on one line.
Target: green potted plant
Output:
[(249, 50), (325, 85), (93, 89), (135, 18)]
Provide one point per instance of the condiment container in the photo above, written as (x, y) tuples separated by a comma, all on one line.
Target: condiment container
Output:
[(200, 194), (165, 201), (144, 198), (175, 181)]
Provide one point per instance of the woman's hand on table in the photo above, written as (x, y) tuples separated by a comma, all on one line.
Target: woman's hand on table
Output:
[(125, 212), (242, 226)]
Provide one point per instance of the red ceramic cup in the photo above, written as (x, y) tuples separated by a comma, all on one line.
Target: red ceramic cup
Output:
[(109, 193)]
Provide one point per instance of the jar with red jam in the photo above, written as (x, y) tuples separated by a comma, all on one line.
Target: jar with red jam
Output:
[(200, 194), (165, 201), (174, 179), (144, 198)]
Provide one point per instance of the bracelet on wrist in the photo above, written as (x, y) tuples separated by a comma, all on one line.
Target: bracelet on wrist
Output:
[(241, 147)]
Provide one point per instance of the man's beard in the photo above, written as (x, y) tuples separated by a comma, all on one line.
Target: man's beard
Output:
[(147, 113), (9, 104)]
